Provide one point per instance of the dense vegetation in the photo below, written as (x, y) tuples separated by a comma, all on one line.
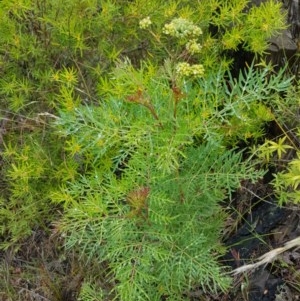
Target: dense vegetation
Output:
[(123, 132)]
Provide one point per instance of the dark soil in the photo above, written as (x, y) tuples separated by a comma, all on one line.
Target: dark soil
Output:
[(260, 225)]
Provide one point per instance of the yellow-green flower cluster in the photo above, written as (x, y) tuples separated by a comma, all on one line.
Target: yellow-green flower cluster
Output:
[(145, 23), (182, 28), (185, 69), (193, 47)]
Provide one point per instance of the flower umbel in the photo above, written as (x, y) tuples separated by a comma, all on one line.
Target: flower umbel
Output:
[(182, 28), (185, 69), (193, 47), (145, 23)]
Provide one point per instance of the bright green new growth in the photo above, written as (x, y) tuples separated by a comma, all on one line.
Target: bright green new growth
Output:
[(287, 183)]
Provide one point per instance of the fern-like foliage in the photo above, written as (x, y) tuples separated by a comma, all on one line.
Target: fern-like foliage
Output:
[(154, 174), (159, 233)]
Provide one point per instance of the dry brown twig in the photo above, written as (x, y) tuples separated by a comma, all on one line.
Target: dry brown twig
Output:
[(268, 257)]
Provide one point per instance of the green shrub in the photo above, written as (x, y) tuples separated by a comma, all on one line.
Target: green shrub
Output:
[(157, 171), (32, 168), (142, 153)]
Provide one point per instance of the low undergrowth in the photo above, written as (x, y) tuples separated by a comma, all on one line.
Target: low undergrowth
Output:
[(123, 133)]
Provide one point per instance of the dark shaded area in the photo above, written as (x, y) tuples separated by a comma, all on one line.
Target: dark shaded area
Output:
[(263, 218), (261, 226)]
